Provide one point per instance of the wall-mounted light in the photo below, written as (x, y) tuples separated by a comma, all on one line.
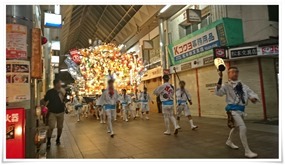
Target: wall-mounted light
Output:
[(164, 8)]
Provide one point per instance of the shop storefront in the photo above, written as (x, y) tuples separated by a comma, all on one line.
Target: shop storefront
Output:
[(192, 57), (259, 70), (151, 80)]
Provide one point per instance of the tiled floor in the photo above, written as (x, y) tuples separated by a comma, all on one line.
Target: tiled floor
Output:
[(145, 139)]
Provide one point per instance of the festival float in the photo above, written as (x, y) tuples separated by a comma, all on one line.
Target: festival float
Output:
[(92, 67)]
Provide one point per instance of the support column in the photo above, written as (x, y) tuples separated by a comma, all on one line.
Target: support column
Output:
[(162, 44), (23, 15)]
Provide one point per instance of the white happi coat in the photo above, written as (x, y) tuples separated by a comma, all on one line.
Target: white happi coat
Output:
[(125, 100), (107, 100), (165, 92), (231, 97), (181, 96)]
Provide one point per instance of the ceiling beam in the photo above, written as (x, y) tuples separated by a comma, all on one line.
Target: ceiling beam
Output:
[(118, 23)]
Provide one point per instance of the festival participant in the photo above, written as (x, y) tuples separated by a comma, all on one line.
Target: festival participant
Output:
[(125, 101), (137, 103), (96, 109), (182, 96), (133, 107), (85, 108), (145, 98), (100, 108), (237, 96), (166, 92), (77, 102), (109, 99)]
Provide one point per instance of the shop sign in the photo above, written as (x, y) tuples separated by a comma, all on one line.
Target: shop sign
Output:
[(243, 52), (208, 60), (153, 73), (269, 50), (198, 44), (220, 53), (186, 66), (16, 41), (166, 71), (224, 32), (15, 133), (36, 64), (193, 16)]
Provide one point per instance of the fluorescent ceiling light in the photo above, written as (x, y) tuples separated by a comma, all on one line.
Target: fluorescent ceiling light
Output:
[(55, 45), (164, 8), (55, 59)]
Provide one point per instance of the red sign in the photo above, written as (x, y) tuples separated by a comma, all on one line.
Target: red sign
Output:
[(166, 71), (220, 53), (15, 133)]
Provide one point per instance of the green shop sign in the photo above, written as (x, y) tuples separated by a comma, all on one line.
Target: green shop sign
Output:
[(223, 32)]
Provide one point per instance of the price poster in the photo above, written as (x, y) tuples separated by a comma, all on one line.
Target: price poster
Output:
[(16, 41), (17, 80)]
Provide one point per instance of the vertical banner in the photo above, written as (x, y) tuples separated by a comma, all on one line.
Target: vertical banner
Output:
[(17, 80), (36, 61), (16, 41)]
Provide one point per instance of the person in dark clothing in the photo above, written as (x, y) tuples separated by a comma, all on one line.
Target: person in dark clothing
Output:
[(158, 102), (54, 100)]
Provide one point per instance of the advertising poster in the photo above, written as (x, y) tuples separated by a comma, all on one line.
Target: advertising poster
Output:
[(16, 41), (17, 80)]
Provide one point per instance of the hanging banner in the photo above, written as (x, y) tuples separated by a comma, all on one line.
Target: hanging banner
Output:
[(224, 32), (16, 41), (17, 80), (36, 61)]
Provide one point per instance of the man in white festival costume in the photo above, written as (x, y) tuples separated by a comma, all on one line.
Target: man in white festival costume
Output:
[(183, 96), (166, 92), (100, 108), (109, 99), (145, 98), (237, 96), (126, 101)]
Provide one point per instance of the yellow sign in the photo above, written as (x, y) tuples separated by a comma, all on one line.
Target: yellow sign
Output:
[(153, 73)]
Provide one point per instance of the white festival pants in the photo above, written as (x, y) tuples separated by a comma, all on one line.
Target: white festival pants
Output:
[(168, 115), (239, 122)]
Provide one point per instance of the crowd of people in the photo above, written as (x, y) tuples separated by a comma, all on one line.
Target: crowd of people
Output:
[(105, 107)]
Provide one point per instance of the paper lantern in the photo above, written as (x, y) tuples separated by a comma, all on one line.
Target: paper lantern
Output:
[(44, 40)]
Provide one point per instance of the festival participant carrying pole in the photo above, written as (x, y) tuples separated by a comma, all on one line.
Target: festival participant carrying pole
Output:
[(182, 96)]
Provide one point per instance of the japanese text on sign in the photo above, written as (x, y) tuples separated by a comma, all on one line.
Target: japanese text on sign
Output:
[(13, 118), (243, 52), (197, 44)]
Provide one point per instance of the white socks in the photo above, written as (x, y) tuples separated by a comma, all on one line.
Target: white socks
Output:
[(166, 121), (191, 123)]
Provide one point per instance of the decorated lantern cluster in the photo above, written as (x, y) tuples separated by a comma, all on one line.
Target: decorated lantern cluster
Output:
[(91, 68)]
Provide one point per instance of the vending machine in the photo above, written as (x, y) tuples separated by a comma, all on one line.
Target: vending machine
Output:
[(15, 133)]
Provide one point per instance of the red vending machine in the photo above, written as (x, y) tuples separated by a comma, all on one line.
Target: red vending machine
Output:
[(15, 133)]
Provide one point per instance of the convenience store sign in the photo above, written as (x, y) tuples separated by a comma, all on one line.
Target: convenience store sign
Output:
[(201, 42)]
